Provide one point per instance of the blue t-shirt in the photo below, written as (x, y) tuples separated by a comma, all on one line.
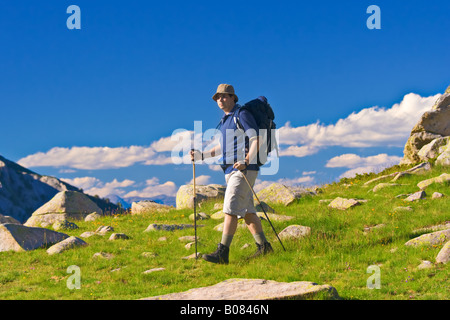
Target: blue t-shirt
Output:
[(234, 142)]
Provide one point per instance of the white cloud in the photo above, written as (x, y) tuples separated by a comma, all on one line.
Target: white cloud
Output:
[(94, 186), (153, 188), (201, 180), (369, 127), (359, 165)]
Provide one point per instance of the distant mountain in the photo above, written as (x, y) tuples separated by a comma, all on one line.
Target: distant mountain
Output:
[(126, 202), (22, 191)]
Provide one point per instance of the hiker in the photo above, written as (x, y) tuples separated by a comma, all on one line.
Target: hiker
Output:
[(238, 159)]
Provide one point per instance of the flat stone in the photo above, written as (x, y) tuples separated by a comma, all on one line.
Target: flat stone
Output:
[(118, 236), (445, 177), (154, 270), (294, 232), (169, 227), (437, 195), (254, 289), (66, 244), (444, 255), (416, 196), (343, 203), (430, 239), (92, 217), (102, 230)]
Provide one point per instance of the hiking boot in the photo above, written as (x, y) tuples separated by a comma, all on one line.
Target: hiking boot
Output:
[(263, 249), (219, 256)]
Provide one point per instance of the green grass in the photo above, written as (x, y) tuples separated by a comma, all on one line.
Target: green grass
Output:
[(337, 252)]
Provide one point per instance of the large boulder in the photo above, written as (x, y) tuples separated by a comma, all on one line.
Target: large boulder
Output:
[(433, 124), (16, 237), (185, 195), (278, 193), (149, 206), (430, 239), (65, 205), (255, 289), (8, 219), (443, 178)]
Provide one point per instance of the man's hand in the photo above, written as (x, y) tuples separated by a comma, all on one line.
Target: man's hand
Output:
[(195, 155), (240, 165)]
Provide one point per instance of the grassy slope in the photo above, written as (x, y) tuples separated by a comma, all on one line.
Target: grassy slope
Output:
[(337, 252)]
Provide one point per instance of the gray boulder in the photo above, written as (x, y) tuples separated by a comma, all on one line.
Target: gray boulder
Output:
[(430, 239), (185, 195), (147, 206), (66, 244), (16, 237), (444, 255)]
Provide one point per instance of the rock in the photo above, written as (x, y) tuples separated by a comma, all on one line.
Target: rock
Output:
[(433, 149), (147, 206), (432, 125), (185, 195), (64, 225), (384, 185), (278, 193), (189, 245), (264, 207), (443, 226), (218, 215), (254, 289), (444, 158), (8, 219), (200, 216), (118, 236), (103, 255), (149, 254), (92, 216), (87, 234), (102, 230), (162, 239), (430, 239), (218, 206), (66, 244), (400, 175), (416, 196), (368, 229), (437, 195), (153, 270), (444, 255), (343, 204), (403, 209), (425, 265), (294, 232), (16, 237), (65, 205), (443, 178), (187, 238), (192, 256), (169, 227)]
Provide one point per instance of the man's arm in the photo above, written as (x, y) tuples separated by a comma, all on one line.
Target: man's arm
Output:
[(255, 144), (197, 155)]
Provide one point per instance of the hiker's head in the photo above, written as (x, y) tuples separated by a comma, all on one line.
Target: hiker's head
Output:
[(225, 97)]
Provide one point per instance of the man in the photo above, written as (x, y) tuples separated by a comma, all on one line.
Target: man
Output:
[(238, 159)]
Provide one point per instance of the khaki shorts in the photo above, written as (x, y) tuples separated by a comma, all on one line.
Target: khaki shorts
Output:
[(238, 196)]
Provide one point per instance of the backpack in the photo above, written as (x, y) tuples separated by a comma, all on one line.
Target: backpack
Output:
[(264, 116)]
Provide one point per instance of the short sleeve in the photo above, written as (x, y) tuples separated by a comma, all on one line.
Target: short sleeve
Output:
[(248, 123)]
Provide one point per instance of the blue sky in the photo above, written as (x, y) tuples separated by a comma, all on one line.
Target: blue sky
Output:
[(97, 106)]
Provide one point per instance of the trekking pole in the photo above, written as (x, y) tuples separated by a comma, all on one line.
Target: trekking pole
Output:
[(195, 212), (267, 217)]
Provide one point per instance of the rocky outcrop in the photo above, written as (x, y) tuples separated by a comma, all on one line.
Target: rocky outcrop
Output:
[(22, 191), (66, 205), (185, 195), (149, 206), (16, 237), (8, 219), (433, 127), (255, 289)]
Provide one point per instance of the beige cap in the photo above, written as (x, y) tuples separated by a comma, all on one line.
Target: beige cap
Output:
[(225, 88)]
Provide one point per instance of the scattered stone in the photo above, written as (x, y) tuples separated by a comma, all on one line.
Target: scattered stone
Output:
[(119, 236), (400, 175), (192, 256), (218, 215), (383, 185), (92, 217), (254, 289), (218, 206), (343, 204), (154, 270), (264, 207), (64, 225), (66, 244), (437, 195), (187, 238), (162, 239), (149, 254), (294, 232), (416, 196), (169, 227), (368, 229), (403, 209), (189, 245), (103, 255), (433, 149), (87, 234), (430, 239), (200, 216), (444, 255), (274, 217), (16, 237), (281, 194), (245, 246), (148, 206), (425, 265), (102, 230), (445, 177)]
